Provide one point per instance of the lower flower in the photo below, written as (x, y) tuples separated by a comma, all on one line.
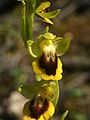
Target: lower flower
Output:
[(38, 109), (42, 73)]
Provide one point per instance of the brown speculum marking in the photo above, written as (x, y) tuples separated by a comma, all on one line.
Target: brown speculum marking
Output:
[(38, 107), (48, 63)]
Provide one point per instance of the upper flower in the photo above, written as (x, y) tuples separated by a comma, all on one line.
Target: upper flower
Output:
[(38, 109), (41, 11), (47, 49), (48, 66)]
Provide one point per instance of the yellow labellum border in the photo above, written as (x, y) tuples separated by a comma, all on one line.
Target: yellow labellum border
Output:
[(45, 116), (39, 71)]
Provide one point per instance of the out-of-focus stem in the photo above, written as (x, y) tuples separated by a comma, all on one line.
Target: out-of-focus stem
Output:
[(29, 20), (56, 93)]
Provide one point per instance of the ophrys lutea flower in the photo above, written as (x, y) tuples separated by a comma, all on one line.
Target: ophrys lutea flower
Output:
[(45, 16), (47, 64), (38, 109)]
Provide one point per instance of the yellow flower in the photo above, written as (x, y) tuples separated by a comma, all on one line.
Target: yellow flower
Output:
[(48, 66), (38, 109)]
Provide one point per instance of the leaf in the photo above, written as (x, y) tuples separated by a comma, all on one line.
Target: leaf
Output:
[(64, 115), (77, 93), (62, 45), (30, 90)]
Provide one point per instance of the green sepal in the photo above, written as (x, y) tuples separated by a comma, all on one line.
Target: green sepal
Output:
[(49, 15), (63, 116), (62, 44), (43, 6), (46, 36), (34, 48), (30, 90)]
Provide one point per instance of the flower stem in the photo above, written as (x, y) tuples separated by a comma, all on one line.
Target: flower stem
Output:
[(56, 93), (31, 26), (29, 20)]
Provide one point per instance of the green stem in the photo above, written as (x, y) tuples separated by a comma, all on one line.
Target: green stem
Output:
[(56, 97), (30, 26), (29, 20), (56, 93)]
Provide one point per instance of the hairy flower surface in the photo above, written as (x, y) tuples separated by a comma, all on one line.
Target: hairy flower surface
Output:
[(38, 109), (48, 66)]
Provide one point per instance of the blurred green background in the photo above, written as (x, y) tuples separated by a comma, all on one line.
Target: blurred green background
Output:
[(15, 64)]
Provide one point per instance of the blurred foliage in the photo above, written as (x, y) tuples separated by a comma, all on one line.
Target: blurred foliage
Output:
[(78, 116)]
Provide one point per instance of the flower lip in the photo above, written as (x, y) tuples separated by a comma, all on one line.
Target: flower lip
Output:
[(43, 74), (48, 59), (49, 63), (38, 106)]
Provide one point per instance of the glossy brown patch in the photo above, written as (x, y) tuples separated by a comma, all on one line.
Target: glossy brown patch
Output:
[(38, 107), (48, 63)]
